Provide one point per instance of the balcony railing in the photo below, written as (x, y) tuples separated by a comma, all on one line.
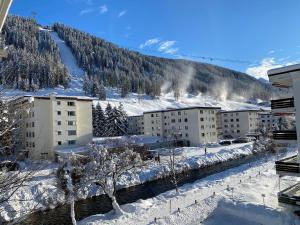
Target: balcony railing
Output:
[(288, 165), (282, 103), (285, 135), (290, 195)]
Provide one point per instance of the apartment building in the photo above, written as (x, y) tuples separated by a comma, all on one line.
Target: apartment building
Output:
[(50, 123), (239, 123), (267, 121), (194, 124), (136, 125), (289, 79)]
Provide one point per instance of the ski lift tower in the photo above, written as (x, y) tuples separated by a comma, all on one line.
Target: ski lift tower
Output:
[(4, 7)]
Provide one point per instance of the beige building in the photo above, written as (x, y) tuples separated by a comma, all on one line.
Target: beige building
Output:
[(194, 124), (136, 125), (50, 123), (239, 123)]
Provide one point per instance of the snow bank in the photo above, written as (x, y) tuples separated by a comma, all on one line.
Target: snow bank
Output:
[(230, 212), (247, 207)]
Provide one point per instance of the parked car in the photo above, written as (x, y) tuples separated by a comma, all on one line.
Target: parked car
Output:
[(151, 154), (241, 140), (225, 142)]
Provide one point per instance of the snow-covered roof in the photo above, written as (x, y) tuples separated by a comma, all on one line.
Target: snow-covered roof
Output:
[(78, 98), (184, 108)]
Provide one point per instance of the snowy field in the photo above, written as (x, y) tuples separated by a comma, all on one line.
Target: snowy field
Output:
[(42, 192), (232, 197)]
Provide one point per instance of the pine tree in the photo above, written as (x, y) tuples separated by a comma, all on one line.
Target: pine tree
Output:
[(101, 121)]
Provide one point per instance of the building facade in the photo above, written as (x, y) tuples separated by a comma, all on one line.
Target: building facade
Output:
[(136, 125), (287, 78), (50, 123), (268, 121), (239, 123), (194, 124)]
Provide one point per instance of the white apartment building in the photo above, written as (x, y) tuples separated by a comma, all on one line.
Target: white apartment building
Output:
[(194, 124), (239, 123), (267, 121), (136, 125), (50, 123)]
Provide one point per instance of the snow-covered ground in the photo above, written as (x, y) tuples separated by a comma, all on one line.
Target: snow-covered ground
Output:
[(42, 192), (233, 197)]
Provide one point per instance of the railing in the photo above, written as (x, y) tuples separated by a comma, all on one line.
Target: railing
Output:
[(282, 103), (289, 165), (285, 135)]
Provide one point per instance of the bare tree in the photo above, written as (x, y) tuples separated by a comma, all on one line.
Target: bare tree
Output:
[(175, 169), (106, 168)]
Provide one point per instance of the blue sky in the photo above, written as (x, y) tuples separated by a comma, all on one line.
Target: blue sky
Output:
[(260, 34)]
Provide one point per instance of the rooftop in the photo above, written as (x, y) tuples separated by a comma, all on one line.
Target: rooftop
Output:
[(185, 108), (242, 110), (283, 70), (79, 98)]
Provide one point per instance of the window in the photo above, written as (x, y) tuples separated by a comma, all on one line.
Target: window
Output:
[(32, 124), (71, 123), (238, 131), (231, 120), (72, 142), (59, 143), (186, 127), (173, 121), (179, 120), (58, 123), (58, 133), (71, 132), (203, 134), (186, 135), (58, 113), (58, 102), (237, 120), (71, 103), (71, 113), (179, 113), (185, 120), (152, 115), (33, 144), (202, 126), (201, 119)]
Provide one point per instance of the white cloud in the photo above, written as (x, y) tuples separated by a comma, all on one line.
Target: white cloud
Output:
[(103, 9), (260, 70), (122, 13), (86, 11), (149, 42), (168, 47)]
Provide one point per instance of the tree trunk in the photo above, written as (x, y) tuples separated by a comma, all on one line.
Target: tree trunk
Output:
[(72, 203), (116, 205)]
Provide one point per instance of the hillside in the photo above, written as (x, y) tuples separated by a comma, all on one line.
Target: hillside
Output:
[(33, 60), (131, 71)]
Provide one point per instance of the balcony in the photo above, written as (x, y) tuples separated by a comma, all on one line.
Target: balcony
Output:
[(283, 106), (285, 136), (288, 166), (290, 195)]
